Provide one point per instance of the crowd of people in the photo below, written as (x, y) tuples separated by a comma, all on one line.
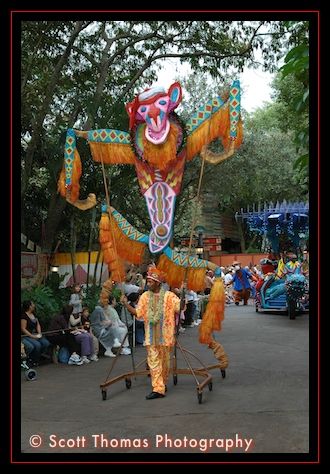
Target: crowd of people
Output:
[(156, 312)]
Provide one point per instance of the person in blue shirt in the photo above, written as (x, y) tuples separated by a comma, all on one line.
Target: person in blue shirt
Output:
[(241, 284)]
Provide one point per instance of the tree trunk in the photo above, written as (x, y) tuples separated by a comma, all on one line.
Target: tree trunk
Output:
[(101, 272), (56, 207), (241, 236), (73, 248), (91, 235), (95, 268)]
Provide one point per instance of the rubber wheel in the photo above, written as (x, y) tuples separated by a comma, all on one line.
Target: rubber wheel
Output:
[(175, 379), (210, 386), (104, 394), (30, 374), (199, 397), (223, 373), (128, 383)]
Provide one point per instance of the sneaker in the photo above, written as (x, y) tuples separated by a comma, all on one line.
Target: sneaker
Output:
[(85, 360), (182, 329), (94, 358), (109, 353), (126, 351), (116, 343), (75, 360)]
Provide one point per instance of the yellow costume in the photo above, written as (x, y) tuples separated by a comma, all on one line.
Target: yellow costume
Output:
[(158, 312)]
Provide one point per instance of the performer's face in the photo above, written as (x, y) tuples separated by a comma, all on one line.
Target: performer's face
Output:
[(153, 285)]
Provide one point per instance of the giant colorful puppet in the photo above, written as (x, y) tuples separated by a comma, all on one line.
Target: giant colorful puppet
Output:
[(158, 145)]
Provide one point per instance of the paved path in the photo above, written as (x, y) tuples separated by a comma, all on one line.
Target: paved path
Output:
[(263, 400)]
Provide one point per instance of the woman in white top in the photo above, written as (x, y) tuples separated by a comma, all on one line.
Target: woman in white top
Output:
[(117, 324), (76, 300)]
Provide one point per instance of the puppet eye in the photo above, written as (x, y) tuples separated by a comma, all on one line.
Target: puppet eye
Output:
[(162, 102), (143, 109)]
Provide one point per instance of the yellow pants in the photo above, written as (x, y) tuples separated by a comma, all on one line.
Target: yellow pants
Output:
[(159, 365)]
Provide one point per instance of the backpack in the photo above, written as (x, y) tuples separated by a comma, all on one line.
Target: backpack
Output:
[(63, 355)]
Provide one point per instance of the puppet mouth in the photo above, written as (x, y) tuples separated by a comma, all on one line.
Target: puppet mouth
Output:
[(156, 134)]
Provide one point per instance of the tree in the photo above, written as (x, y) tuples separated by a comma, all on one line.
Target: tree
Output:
[(81, 73), (295, 72)]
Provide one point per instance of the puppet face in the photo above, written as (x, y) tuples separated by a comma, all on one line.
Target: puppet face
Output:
[(153, 107)]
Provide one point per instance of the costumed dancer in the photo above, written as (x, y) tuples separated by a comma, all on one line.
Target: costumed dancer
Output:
[(158, 309)]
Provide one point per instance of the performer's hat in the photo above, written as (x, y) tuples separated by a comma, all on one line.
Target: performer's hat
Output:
[(155, 274)]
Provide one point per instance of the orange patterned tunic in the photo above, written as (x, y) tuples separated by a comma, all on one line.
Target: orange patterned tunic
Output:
[(161, 333)]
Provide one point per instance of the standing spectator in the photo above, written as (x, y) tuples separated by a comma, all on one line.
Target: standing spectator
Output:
[(76, 300), (242, 287), (133, 299), (190, 309), (209, 280), (34, 342)]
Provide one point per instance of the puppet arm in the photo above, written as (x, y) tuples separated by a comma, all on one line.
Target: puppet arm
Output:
[(107, 145), (218, 118)]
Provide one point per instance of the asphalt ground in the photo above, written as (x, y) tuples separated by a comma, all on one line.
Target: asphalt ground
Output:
[(261, 406)]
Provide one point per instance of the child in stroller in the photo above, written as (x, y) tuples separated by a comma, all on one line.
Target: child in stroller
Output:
[(30, 374)]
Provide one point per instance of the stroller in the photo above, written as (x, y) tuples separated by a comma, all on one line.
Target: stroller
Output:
[(30, 374)]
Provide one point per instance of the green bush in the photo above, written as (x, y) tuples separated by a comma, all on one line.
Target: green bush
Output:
[(45, 301), (92, 297)]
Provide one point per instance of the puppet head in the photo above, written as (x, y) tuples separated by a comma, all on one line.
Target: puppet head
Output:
[(153, 107)]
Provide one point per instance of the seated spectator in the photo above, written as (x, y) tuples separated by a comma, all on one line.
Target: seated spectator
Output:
[(103, 330), (83, 337), (118, 325), (86, 324), (35, 343), (63, 337)]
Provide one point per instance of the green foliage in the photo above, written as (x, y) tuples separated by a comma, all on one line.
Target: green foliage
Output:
[(92, 297), (116, 292), (252, 250), (296, 68), (46, 304)]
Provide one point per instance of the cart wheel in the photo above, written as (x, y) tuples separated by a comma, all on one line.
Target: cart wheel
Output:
[(30, 374), (104, 394), (175, 379), (200, 397), (210, 386), (128, 383), (223, 373)]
